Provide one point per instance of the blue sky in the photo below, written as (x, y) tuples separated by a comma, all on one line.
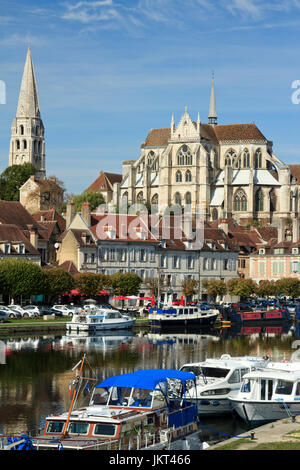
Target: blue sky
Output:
[(108, 71)]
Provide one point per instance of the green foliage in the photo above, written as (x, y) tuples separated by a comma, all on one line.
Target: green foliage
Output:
[(90, 284), (241, 287), (214, 287), (13, 178), (95, 198), (57, 281), (125, 284), (189, 287), (20, 277), (288, 286), (267, 288)]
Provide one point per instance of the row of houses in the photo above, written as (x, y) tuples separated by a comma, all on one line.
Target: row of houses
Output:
[(110, 243)]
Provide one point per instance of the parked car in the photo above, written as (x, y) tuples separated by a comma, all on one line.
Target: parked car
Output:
[(12, 312), (24, 313), (3, 315), (65, 310), (32, 309)]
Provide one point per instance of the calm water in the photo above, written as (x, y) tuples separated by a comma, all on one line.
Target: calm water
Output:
[(34, 381)]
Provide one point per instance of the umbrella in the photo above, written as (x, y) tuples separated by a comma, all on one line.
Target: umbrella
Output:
[(145, 298), (120, 297)]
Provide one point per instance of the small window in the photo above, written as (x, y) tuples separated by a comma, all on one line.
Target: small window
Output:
[(105, 429), (284, 387), (55, 426), (235, 377), (78, 427), (246, 387)]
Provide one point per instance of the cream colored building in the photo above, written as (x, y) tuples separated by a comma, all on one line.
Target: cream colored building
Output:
[(228, 170)]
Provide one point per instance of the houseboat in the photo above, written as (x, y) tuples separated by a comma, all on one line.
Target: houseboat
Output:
[(182, 316), (98, 319), (269, 394), (136, 410), (233, 314), (218, 379)]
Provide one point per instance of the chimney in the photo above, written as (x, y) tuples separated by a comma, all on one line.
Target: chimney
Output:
[(224, 226), (70, 213), (86, 213), (295, 229), (34, 237), (281, 231)]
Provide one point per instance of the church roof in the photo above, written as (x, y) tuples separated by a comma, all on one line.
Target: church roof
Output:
[(28, 104), (105, 181), (215, 133), (295, 172)]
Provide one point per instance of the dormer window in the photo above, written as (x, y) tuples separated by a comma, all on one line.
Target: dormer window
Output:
[(261, 251), (21, 249), (7, 248)]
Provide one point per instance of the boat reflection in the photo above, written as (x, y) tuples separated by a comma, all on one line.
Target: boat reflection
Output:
[(102, 341), (230, 332)]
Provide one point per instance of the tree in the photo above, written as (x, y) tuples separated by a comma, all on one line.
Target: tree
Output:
[(90, 283), (125, 284), (288, 286), (95, 198), (241, 287), (155, 285), (189, 287), (214, 287), (20, 277), (57, 281), (13, 178), (267, 288)]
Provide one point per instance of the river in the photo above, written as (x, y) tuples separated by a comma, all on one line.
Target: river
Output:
[(37, 369)]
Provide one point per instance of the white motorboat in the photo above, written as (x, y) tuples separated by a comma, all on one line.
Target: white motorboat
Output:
[(98, 319), (182, 316), (269, 394), (219, 378)]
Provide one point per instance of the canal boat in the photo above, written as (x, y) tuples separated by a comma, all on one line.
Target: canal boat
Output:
[(99, 319), (136, 410), (182, 316), (233, 314), (269, 394), (218, 379)]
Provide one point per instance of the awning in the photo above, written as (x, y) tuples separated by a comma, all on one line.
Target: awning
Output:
[(148, 379), (76, 292)]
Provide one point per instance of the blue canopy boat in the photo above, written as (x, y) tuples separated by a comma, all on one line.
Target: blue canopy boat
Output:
[(138, 410)]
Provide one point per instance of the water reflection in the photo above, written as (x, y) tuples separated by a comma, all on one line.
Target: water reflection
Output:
[(34, 381)]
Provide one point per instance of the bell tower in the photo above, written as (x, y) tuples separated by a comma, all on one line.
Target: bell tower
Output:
[(27, 144)]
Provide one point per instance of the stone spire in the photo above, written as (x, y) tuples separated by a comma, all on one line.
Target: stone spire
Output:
[(212, 117), (27, 143), (28, 105)]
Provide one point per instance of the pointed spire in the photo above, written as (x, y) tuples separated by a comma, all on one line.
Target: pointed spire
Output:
[(28, 104), (212, 117)]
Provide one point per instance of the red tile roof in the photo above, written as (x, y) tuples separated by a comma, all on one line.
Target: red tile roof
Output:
[(105, 182)]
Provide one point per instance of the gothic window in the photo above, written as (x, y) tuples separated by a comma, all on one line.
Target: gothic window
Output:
[(215, 214), (178, 177), (246, 158), (238, 162), (184, 156), (177, 199), (40, 146), (188, 176), (259, 201), (22, 130), (139, 196), (154, 199), (151, 156), (188, 198), (35, 145), (240, 201), (37, 130), (272, 200), (230, 157), (258, 159), (24, 144), (17, 144)]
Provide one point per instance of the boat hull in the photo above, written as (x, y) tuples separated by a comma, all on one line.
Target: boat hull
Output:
[(99, 326), (213, 407), (259, 412), (157, 321)]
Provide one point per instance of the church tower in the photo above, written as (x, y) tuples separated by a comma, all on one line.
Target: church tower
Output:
[(212, 117), (27, 144)]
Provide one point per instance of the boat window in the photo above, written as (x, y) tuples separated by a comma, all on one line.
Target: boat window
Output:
[(141, 397), (217, 372), (120, 396), (196, 370), (284, 387), (180, 311), (246, 387), (244, 371), (105, 429), (114, 315), (191, 310), (297, 392), (55, 426), (158, 399), (235, 377), (186, 311), (77, 427), (100, 396), (217, 391)]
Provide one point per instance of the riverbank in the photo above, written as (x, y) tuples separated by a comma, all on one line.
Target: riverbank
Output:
[(283, 434)]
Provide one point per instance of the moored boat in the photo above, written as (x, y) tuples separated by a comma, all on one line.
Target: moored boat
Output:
[(130, 411), (178, 316), (99, 319), (218, 379), (234, 315), (269, 394)]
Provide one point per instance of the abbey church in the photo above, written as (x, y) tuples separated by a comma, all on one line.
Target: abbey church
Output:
[(229, 170)]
